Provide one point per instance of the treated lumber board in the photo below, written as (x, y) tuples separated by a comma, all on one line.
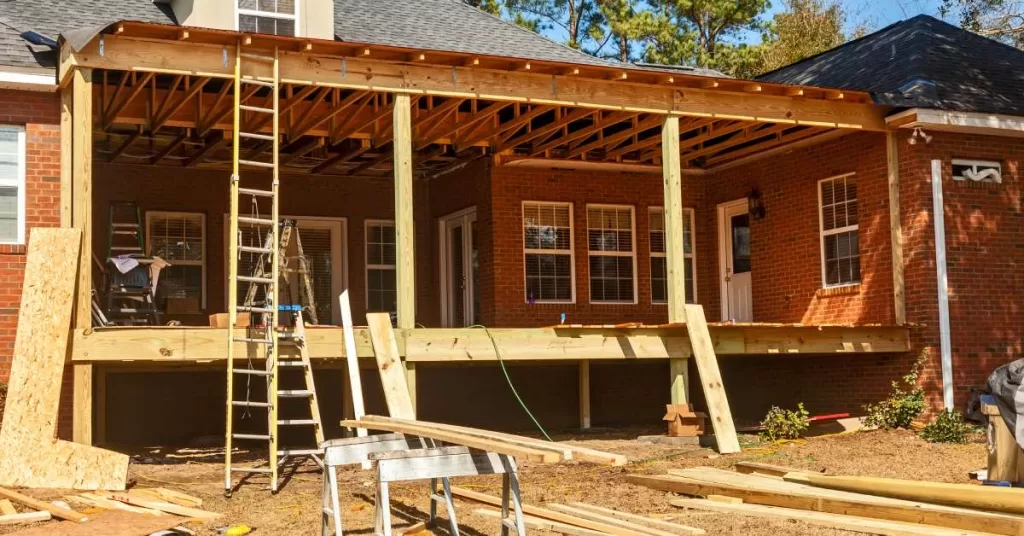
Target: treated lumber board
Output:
[(405, 232), (674, 528), (81, 219), (569, 452), (162, 506), (6, 508), (109, 523), (837, 521), (27, 517), (92, 499), (896, 228), (771, 492), (389, 364), (612, 521), (355, 380), (993, 498), (549, 515), (764, 469), (537, 523), (177, 497), (62, 513), (31, 456), (711, 380), (500, 447)]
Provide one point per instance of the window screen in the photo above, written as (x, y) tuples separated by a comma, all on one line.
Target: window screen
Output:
[(381, 286), (612, 254), (547, 247), (839, 229)]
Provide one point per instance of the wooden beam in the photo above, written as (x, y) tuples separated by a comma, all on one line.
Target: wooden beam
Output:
[(319, 118), (599, 125), (169, 110), (128, 141), (642, 126), (507, 130), (896, 228), (171, 147), (404, 225), (547, 130), (416, 428), (781, 140), (81, 218), (301, 150), (66, 157), (465, 124), (213, 142), (434, 117), (339, 158), (711, 380), (672, 188), (584, 377), (116, 107)]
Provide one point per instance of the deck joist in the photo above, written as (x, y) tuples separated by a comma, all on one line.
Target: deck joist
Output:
[(184, 345)]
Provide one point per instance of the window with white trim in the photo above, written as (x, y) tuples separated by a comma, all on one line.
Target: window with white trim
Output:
[(840, 252), (180, 239), (12, 184), (547, 252), (612, 254), (977, 170), (381, 283), (275, 17), (659, 260)]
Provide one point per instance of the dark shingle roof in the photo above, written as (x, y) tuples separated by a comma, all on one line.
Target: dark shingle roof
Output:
[(920, 62)]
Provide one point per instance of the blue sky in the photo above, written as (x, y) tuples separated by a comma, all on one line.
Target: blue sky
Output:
[(874, 14)]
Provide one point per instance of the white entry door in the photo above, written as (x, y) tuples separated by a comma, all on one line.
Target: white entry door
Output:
[(734, 261), (459, 267)]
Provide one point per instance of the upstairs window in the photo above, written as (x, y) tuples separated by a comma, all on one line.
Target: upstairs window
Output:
[(840, 251), (275, 17), (659, 260), (612, 254)]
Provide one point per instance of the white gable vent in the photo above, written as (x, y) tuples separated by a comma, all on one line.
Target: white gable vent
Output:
[(977, 170)]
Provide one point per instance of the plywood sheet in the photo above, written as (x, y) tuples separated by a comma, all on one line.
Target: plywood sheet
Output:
[(31, 456)]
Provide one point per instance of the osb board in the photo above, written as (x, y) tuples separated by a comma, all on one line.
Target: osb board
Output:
[(109, 523), (31, 456)]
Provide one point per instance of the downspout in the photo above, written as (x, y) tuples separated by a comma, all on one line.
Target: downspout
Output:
[(945, 346)]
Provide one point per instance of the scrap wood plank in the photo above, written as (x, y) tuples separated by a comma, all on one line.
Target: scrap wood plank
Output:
[(994, 498), (837, 521), (569, 452), (549, 515), (109, 523), (616, 521), (355, 380), (96, 501), (57, 511), (765, 469), (490, 445), (640, 520), (173, 496), (392, 372), (6, 508), (537, 523), (163, 506), (32, 457), (770, 492), (27, 517), (711, 380)]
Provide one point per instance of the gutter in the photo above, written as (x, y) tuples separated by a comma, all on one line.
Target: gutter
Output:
[(27, 81), (945, 345)]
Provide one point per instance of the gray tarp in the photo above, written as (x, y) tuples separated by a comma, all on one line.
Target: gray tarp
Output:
[(1007, 385)]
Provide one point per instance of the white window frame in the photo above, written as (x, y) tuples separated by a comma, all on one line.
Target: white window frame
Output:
[(998, 179), (179, 262), (688, 213), (18, 182), (571, 251), (822, 233), (631, 253), (269, 14), (339, 282), (366, 257)]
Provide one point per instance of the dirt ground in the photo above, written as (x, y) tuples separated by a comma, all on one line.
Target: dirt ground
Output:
[(295, 509)]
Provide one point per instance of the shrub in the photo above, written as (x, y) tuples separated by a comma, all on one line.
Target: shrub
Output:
[(948, 427), (785, 424), (901, 407)]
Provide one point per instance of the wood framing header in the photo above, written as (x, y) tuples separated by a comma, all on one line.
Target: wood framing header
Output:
[(153, 48)]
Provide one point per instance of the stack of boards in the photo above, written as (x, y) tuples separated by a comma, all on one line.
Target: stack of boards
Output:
[(857, 504), (135, 511)]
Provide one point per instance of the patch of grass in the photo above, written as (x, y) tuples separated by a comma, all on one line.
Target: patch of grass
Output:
[(948, 427)]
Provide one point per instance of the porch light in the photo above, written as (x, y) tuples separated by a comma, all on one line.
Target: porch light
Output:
[(755, 204)]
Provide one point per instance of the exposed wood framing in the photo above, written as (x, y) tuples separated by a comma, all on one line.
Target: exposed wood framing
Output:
[(81, 218), (672, 187), (896, 228), (404, 227), (584, 372)]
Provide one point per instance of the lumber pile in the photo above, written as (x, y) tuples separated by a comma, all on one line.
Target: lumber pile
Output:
[(582, 518), (858, 504), (535, 450)]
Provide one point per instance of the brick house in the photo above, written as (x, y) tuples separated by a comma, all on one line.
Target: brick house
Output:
[(798, 191)]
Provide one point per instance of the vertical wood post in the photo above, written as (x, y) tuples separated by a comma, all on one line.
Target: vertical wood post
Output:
[(585, 394), (405, 277), (81, 218), (66, 160), (896, 228), (674, 253)]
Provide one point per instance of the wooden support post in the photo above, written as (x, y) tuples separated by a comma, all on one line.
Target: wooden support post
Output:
[(81, 218), (585, 394), (66, 160), (896, 228), (404, 225), (673, 191)]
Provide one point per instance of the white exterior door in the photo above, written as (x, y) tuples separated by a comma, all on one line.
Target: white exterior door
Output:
[(734, 261), (459, 268)]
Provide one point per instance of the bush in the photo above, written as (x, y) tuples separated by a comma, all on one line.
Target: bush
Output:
[(948, 427), (785, 424), (901, 407)]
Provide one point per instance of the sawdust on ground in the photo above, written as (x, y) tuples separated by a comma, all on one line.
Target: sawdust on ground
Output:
[(295, 509)]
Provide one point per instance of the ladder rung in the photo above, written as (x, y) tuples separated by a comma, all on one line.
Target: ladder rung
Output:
[(284, 363), (251, 470), (257, 341), (253, 249), (125, 225), (254, 136), (259, 109), (257, 57), (252, 372), (294, 393), (297, 422), (255, 221), (125, 248), (249, 309), (298, 452), (254, 163), (251, 436), (255, 82), (252, 191), (245, 404)]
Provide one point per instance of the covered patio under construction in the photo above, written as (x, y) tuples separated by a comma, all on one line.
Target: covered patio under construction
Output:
[(419, 180)]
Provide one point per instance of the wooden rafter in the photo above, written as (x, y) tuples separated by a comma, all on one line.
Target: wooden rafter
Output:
[(599, 124), (779, 140), (482, 115), (206, 126), (507, 130), (116, 107), (339, 158), (124, 145), (334, 110), (301, 150), (547, 130), (347, 127), (642, 126), (212, 142), (424, 126), (169, 110), (171, 147), (753, 132)]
